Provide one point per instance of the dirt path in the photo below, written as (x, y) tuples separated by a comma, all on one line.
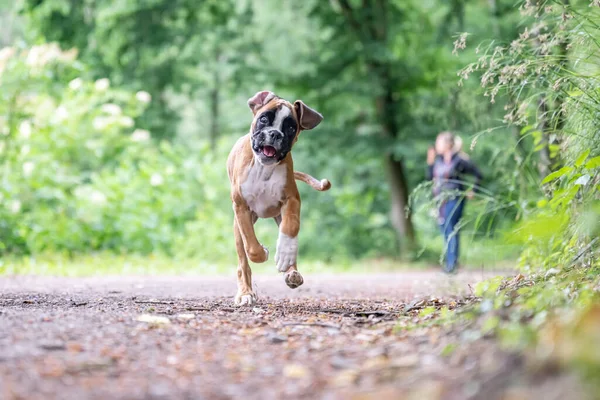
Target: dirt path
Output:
[(337, 337)]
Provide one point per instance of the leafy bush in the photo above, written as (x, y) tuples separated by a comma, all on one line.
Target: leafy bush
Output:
[(78, 176), (550, 76)]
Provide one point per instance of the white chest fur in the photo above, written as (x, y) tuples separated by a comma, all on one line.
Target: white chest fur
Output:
[(263, 188)]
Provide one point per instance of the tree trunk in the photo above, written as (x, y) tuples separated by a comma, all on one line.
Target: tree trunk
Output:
[(386, 108), (369, 31), (401, 219)]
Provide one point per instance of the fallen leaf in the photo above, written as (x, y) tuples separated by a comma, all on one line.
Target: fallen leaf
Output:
[(295, 371), (345, 378), (376, 363), (74, 347), (153, 319), (406, 361), (249, 331), (365, 338)]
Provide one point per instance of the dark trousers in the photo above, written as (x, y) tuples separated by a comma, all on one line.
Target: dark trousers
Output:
[(450, 213)]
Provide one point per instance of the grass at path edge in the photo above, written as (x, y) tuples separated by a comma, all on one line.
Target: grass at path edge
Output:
[(109, 264)]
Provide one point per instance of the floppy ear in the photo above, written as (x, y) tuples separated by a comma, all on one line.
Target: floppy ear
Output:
[(307, 117), (260, 99)]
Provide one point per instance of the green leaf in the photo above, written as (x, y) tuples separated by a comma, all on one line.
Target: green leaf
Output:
[(490, 324), (557, 174), (554, 149), (574, 178), (427, 311), (526, 129), (445, 312), (563, 197), (480, 288), (449, 349), (539, 147), (581, 159), (593, 163)]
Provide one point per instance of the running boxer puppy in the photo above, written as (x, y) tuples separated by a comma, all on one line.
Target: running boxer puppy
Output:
[(263, 185)]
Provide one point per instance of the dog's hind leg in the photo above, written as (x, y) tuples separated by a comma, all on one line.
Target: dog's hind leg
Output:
[(292, 277), (245, 295)]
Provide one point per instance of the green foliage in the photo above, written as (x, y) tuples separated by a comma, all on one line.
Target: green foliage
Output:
[(550, 75), (155, 45), (78, 176), (200, 61), (427, 311), (76, 173)]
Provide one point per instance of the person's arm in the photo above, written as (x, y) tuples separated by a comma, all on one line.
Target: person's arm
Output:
[(430, 162), (468, 167)]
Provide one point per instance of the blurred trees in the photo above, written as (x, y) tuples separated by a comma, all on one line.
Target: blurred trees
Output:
[(395, 56), (366, 35), (157, 45), (77, 174), (11, 27), (383, 73)]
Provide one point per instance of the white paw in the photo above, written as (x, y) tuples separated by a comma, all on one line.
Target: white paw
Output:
[(287, 252), (245, 299)]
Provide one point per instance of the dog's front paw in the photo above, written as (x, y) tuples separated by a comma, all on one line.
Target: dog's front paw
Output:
[(258, 255), (245, 298), (293, 279), (287, 252)]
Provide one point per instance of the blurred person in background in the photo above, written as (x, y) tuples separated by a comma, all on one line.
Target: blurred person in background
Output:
[(447, 164)]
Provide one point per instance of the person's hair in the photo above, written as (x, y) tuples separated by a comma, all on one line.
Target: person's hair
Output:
[(447, 136), (458, 143), (455, 141)]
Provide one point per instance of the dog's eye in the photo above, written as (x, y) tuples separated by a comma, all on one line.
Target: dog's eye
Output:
[(263, 119), (291, 129)]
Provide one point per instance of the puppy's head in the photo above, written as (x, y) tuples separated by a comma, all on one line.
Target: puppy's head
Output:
[(277, 124)]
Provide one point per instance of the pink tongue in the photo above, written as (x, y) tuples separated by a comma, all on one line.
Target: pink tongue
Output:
[(269, 151)]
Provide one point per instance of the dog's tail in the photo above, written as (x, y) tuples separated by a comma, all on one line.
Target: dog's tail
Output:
[(320, 185)]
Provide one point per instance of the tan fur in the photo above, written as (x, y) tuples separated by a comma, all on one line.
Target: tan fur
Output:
[(320, 185), (240, 161)]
